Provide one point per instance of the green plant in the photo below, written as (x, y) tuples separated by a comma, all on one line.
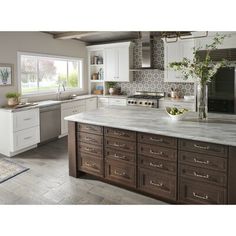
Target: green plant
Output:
[(13, 95), (111, 84)]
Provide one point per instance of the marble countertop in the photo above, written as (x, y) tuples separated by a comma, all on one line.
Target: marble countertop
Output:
[(220, 129)]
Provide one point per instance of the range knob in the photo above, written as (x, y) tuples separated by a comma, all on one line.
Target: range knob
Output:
[(135, 102), (140, 103), (129, 102), (146, 103), (152, 103), (132, 102), (149, 103)]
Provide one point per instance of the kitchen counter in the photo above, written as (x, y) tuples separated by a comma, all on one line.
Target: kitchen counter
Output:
[(219, 129)]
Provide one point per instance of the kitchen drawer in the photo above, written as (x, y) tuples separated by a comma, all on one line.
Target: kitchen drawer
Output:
[(195, 193), (157, 184), (121, 145), (120, 172), (157, 152), (93, 129), (95, 151), (120, 133), (26, 138), (117, 102), (90, 138), (118, 155), (25, 119), (201, 160), (157, 139), (203, 147), (90, 164), (204, 175), (178, 104), (157, 164)]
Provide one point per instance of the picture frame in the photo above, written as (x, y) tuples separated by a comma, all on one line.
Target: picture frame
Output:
[(6, 74)]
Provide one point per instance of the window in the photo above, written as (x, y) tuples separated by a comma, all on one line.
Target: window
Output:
[(43, 74)]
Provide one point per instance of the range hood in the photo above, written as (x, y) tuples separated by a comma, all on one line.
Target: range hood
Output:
[(146, 50)]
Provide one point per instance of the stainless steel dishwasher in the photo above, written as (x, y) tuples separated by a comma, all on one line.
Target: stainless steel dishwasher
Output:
[(50, 122)]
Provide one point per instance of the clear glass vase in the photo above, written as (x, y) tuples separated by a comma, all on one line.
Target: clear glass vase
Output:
[(202, 101)]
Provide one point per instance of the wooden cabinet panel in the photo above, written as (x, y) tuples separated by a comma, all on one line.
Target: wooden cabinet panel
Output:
[(121, 173), (119, 155), (157, 184), (157, 152), (93, 129), (192, 192), (204, 175), (119, 133), (96, 151), (120, 144), (204, 161), (157, 164), (90, 138), (203, 147), (157, 139)]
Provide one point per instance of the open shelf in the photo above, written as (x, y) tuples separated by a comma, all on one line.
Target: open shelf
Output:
[(96, 81)]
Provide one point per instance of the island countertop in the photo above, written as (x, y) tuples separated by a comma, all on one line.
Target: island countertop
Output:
[(219, 129)]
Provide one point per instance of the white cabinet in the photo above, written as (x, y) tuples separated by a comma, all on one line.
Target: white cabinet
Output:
[(175, 52), (117, 102), (102, 102), (91, 104), (19, 131)]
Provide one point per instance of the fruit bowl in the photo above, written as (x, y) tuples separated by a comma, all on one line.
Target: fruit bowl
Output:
[(175, 113)]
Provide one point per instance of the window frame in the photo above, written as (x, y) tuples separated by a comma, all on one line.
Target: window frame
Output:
[(52, 92)]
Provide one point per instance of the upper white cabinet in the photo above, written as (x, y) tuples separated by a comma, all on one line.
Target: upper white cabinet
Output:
[(175, 52)]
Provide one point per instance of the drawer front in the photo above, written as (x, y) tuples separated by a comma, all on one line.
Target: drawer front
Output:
[(26, 138), (90, 138), (93, 129), (157, 140), (120, 144), (117, 102), (193, 193), (90, 164), (204, 175), (25, 119), (157, 164), (113, 154), (203, 147), (119, 133), (121, 173), (157, 152), (95, 151), (201, 160), (157, 184)]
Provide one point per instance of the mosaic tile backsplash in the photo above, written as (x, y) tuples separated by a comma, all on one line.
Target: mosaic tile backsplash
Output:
[(153, 80)]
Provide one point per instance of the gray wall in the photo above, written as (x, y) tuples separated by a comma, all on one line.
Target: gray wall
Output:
[(37, 42)]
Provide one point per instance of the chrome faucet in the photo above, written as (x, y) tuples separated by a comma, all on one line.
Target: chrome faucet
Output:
[(59, 90)]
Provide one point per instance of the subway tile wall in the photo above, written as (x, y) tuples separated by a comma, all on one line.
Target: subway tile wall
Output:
[(149, 80)]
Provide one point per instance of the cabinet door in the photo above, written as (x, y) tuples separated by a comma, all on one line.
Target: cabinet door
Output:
[(91, 104), (123, 65), (64, 123), (111, 64)]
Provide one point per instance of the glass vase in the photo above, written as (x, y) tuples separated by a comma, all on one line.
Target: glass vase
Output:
[(202, 101)]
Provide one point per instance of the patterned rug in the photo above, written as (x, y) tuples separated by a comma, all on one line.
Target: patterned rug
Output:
[(9, 169)]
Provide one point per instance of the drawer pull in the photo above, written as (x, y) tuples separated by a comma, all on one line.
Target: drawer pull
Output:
[(119, 173), (156, 153), (157, 140), (119, 133), (120, 157), (89, 149), (201, 176), (29, 137), (156, 165), (118, 145), (90, 165), (200, 197), (89, 139), (201, 147), (90, 128), (26, 119), (201, 162), (156, 184)]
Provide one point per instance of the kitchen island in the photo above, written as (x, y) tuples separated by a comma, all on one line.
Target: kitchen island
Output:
[(144, 150)]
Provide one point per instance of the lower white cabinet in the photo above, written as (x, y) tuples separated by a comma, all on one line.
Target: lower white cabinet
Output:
[(91, 104), (105, 101), (19, 131)]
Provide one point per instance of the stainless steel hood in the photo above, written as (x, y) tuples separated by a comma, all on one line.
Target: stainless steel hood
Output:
[(146, 49)]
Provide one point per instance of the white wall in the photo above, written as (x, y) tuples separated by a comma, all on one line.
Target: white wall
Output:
[(37, 42)]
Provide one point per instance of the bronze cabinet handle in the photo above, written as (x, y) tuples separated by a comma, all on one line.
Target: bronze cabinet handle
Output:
[(201, 162), (156, 184), (156, 153), (27, 119), (119, 157), (90, 165), (155, 139), (118, 145), (29, 137), (201, 176), (119, 133), (89, 149), (200, 197), (201, 147), (89, 139), (156, 165), (119, 173)]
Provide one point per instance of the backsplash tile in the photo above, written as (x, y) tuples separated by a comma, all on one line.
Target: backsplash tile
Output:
[(149, 80)]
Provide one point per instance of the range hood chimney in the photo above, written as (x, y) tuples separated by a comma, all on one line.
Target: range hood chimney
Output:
[(146, 49)]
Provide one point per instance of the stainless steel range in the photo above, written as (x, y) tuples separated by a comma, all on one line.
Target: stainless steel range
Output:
[(146, 99)]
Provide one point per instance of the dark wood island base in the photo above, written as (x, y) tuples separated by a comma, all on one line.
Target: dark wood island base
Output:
[(167, 168)]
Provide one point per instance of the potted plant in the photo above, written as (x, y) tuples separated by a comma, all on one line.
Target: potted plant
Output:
[(202, 71), (111, 87), (12, 98)]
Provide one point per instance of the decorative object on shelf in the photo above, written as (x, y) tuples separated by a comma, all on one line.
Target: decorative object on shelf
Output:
[(94, 76), (202, 71), (111, 87), (6, 74), (100, 74), (13, 98), (100, 61), (98, 90)]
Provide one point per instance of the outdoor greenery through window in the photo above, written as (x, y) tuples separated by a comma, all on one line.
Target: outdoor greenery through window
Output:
[(43, 74)]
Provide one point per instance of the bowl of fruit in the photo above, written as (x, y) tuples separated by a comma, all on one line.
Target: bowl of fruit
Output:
[(175, 113)]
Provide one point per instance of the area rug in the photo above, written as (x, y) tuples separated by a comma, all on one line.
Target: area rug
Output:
[(9, 169)]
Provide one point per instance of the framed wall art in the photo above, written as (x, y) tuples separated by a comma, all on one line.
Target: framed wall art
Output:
[(6, 74)]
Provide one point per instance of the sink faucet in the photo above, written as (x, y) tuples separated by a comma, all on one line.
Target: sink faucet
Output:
[(59, 90)]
